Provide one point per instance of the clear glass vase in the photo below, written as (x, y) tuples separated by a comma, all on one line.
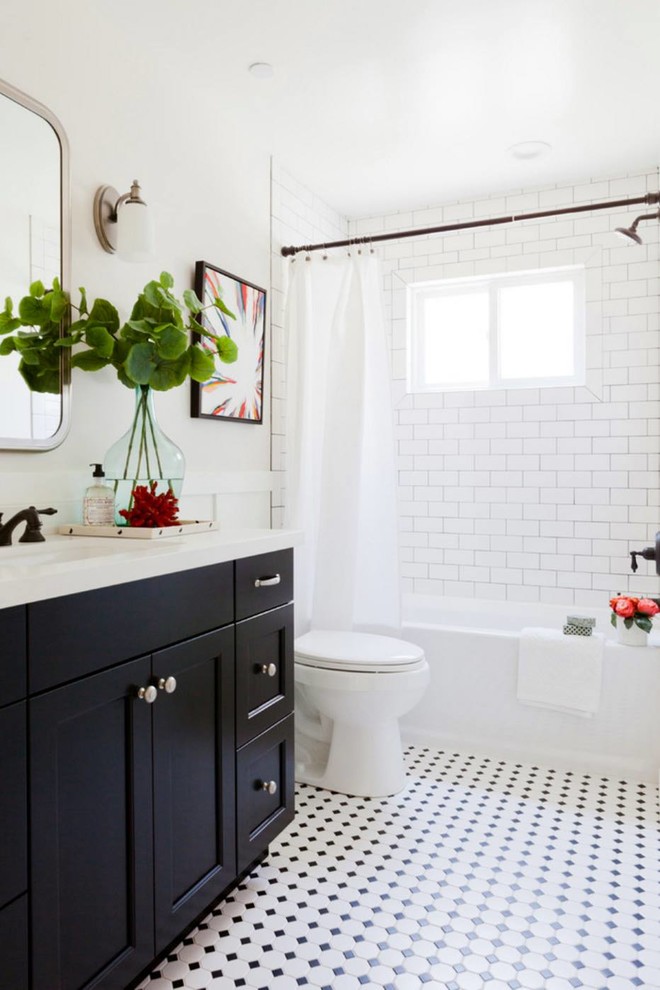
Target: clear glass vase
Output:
[(144, 454)]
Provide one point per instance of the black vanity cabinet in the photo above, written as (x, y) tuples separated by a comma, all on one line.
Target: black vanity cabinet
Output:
[(13, 802), (145, 802)]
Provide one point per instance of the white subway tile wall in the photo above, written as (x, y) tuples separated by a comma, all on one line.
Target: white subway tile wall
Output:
[(521, 494)]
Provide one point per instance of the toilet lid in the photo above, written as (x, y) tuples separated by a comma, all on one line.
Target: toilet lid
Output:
[(356, 651)]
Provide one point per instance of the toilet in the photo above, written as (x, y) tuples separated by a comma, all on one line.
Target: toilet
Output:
[(351, 690)]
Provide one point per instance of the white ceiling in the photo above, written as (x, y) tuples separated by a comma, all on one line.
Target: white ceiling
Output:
[(381, 105)]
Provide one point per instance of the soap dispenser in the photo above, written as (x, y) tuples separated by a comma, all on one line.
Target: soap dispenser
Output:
[(99, 501)]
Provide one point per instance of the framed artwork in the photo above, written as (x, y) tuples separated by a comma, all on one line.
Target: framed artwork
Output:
[(234, 391)]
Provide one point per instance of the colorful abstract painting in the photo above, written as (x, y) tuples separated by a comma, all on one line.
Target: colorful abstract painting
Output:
[(235, 391)]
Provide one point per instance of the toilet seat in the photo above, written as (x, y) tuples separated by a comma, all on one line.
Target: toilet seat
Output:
[(357, 652)]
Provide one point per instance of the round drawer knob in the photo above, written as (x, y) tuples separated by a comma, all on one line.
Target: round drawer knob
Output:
[(167, 684), (270, 786), (269, 668), (148, 694)]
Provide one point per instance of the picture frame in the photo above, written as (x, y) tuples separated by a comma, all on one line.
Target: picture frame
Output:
[(235, 391)]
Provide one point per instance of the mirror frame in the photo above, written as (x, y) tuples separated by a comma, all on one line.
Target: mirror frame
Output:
[(49, 443)]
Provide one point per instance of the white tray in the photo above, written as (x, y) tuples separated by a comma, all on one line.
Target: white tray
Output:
[(185, 527)]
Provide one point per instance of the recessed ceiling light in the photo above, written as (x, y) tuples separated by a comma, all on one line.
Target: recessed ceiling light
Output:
[(525, 150), (261, 70)]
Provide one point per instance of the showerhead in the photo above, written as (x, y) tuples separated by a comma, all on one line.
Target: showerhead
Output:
[(625, 232), (631, 231)]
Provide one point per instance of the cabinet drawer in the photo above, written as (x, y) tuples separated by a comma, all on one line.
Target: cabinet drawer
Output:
[(264, 790), (264, 672), (13, 803), (14, 945), (13, 663), (263, 582), (80, 634)]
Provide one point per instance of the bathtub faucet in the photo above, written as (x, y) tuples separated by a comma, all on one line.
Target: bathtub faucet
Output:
[(648, 553)]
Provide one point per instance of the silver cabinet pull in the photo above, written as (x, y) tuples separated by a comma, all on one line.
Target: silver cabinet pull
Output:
[(270, 786), (167, 684), (267, 582), (269, 668), (148, 694)]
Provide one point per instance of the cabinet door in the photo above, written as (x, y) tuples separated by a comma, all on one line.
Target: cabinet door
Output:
[(265, 787), (13, 804), (91, 840), (13, 661), (14, 945), (193, 779)]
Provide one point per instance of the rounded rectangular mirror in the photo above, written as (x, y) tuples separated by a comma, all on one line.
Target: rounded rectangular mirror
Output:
[(34, 245)]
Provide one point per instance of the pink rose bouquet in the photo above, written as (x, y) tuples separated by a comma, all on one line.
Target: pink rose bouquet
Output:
[(639, 611)]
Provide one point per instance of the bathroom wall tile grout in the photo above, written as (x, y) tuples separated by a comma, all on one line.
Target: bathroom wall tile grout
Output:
[(532, 495)]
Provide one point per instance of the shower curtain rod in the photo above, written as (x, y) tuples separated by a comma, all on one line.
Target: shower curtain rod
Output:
[(649, 198)]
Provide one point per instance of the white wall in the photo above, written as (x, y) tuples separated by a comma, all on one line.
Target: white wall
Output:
[(534, 494), (104, 70)]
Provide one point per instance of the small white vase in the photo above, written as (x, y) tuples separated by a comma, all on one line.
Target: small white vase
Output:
[(630, 637)]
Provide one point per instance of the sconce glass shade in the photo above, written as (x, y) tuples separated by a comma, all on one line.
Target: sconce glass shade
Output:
[(135, 235), (123, 224)]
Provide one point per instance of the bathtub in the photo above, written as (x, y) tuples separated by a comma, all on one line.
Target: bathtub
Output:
[(471, 704)]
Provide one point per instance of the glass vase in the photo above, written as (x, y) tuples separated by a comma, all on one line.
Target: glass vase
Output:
[(144, 454)]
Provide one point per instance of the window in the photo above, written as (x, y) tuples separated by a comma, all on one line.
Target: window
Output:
[(501, 331)]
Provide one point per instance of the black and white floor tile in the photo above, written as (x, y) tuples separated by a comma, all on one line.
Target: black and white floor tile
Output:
[(480, 874)]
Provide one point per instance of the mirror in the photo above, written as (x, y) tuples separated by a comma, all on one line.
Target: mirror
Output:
[(34, 244)]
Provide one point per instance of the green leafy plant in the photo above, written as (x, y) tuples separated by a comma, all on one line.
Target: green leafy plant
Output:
[(152, 348)]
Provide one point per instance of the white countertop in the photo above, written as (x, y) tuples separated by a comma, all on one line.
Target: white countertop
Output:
[(66, 565)]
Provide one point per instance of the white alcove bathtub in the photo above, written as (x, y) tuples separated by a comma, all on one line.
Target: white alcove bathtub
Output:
[(472, 649)]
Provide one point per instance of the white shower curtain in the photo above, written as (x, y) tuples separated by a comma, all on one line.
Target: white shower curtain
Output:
[(340, 459)]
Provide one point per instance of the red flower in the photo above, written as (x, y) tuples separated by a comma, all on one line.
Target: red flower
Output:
[(150, 509), (623, 598), (625, 607), (647, 607)]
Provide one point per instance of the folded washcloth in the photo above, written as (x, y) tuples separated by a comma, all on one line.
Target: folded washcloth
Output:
[(560, 672)]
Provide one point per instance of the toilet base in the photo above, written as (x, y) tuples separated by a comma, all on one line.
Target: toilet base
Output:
[(363, 761)]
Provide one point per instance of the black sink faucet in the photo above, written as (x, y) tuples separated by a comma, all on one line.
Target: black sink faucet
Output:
[(30, 517), (648, 553)]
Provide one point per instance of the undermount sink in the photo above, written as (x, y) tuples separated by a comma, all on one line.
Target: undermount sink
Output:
[(21, 556)]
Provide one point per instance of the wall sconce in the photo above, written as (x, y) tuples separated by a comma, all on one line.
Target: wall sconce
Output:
[(123, 223)]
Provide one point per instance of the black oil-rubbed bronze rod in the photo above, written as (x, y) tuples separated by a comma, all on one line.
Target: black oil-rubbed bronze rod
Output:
[(470, 224)]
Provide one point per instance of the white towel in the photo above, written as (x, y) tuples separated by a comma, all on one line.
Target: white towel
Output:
[(560, 672)]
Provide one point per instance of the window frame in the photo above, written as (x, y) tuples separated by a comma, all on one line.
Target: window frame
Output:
[(417, 292)]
